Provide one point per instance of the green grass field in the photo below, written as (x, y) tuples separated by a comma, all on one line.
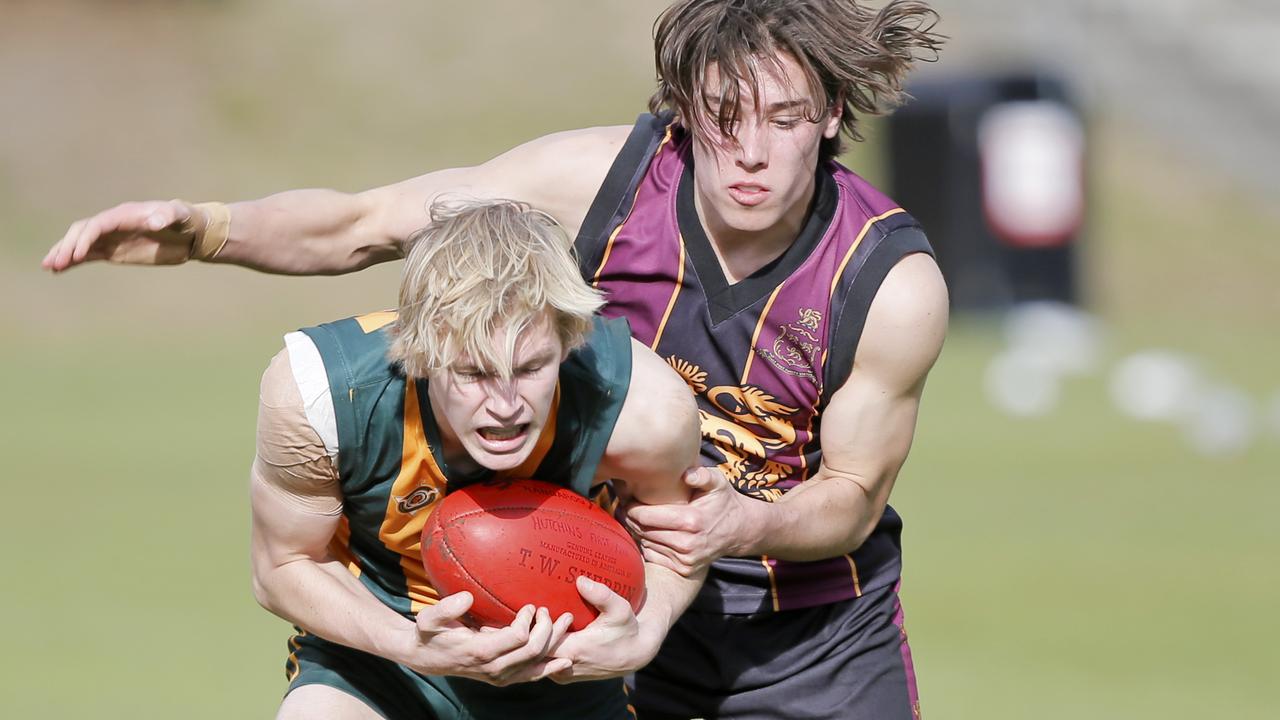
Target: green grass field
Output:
[(1078, 565)]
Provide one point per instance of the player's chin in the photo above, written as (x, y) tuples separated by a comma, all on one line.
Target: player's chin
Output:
[(750, 219)]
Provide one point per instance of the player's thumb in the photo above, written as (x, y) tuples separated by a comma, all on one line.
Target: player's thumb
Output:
[(444, 613), (700, 479), (166, 214), (599, 596)]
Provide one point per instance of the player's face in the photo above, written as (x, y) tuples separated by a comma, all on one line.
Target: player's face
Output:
[(760, 178), (487, 421)]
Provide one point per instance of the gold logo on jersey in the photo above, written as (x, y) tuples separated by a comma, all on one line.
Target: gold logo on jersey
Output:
[(417, 500), (797, 351), (754, 425)]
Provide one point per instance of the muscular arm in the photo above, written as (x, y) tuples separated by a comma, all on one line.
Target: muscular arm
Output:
[(326, 232), (656, 437), (866, 434), (868, 427), (297, 503)]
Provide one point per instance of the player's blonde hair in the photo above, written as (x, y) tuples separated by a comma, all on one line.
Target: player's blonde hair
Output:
[(481, 266)]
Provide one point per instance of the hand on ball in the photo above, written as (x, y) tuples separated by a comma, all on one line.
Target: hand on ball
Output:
[(443, 645)]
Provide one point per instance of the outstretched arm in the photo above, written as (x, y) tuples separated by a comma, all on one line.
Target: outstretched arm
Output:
[(866, 434), (297, 506), (326, 232)]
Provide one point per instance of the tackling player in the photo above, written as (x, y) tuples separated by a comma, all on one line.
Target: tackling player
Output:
[(802, 307)]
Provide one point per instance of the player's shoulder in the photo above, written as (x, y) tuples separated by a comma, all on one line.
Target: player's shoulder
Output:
[(913, 287), (908, 318), (581, 147)]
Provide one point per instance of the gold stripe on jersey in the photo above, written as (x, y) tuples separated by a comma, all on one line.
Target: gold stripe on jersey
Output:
[(608, 248), (292, 666), (340, 546), (541, 448), (631, 709), (852, 248), (853, 568), (755, 336), (401, 532), (773, 581), (376, 320), (671, 304), (803, 473)]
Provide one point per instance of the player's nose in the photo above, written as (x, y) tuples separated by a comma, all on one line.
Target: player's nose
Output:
[(502, 400), (753, 148)]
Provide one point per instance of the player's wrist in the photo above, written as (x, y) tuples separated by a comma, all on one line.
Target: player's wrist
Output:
[(209, 225), (752, 513), (402, 644)]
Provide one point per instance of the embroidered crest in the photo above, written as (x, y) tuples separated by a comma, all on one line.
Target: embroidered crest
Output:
[(797, 351), (417, 500)]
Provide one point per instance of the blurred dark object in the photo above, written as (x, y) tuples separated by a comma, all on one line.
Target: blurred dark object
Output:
[(993, 166)]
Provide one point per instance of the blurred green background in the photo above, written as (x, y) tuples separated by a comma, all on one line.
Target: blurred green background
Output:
[(1079, 564)]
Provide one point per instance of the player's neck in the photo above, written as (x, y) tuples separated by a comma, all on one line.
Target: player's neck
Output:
[(743, 252)]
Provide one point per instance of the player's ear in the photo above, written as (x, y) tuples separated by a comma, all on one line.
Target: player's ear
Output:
[(835, 113)]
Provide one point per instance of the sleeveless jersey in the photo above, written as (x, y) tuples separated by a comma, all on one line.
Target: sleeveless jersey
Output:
[(390, 462), (763, 355)]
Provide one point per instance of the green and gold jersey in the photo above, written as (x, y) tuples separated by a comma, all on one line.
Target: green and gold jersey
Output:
[(389, 456)]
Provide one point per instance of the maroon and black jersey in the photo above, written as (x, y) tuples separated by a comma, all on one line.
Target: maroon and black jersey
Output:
[(763, 355)]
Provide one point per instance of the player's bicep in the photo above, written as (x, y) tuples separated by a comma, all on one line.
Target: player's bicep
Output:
[(558, 174), (294, 490), (869, 424)]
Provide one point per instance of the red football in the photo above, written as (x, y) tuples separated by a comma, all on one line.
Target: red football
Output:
[(512, 543)]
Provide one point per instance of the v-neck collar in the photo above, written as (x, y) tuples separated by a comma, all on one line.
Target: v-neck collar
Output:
[(725, 299)]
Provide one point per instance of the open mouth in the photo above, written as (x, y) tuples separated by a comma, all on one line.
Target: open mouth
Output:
[(503, 434)]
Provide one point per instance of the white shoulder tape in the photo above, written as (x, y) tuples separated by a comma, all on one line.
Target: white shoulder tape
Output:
[(313, 385)]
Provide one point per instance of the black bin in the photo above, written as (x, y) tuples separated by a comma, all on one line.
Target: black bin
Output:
[(994, 167)]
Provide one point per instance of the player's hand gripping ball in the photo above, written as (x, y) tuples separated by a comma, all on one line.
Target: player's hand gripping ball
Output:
[(512, 543)]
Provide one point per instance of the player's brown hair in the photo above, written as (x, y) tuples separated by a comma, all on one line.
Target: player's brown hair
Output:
[(852, 56), (482, 266)]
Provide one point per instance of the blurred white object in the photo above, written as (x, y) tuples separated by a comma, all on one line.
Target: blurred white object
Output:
[(1221, 422), (1068, 339), (1021, 383), (1160, 385), (1032, 172)]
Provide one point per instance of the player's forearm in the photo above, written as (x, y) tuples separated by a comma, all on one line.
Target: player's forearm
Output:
[(668, 595), (308, 232), (323, 598), (826, 516)]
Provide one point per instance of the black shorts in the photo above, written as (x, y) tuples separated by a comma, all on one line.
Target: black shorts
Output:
[(394, 691), (848, 660)]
